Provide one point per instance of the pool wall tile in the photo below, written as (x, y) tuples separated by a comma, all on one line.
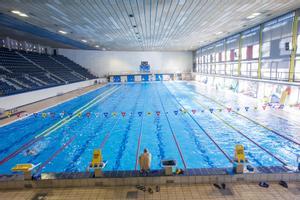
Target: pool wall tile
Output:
[(184, 179), (285, 177), (177, 179), (199, 179), (192, 179), (19, 184), (121, 181), (228, 178), (156, 181), (205, 179), (130, 181), (55, 183), (148, 180), (140, 180), (82, 180)]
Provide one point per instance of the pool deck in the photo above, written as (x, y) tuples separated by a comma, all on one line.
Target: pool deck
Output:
[(43, 104), (156, 177), (234, 191)]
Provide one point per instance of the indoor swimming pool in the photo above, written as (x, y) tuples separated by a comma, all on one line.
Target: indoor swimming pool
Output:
[(194, 124)]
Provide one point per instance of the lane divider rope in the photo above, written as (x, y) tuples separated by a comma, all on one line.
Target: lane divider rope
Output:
[(238, 131), (139, 140), (273, 131), (55, 154), (206, 133), (36, 139), (82, 109), (173, 134)]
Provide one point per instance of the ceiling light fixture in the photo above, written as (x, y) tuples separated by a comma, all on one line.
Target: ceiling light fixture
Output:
[(19, 13), (256, 14), (97, 46), (62, 32), (220, 32), (15, 11), (253, 15), (84, 41), (23, 15)]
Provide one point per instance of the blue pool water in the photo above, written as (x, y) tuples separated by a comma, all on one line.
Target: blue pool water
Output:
[(195, 140)]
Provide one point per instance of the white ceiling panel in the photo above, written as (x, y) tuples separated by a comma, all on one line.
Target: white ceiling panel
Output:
[(147, 24)]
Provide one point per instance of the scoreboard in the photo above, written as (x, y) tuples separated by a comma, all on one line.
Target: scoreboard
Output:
[(144, 67)]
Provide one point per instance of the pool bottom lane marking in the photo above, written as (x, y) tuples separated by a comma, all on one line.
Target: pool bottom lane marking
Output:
[(23, 147), (104, 140), (173, 134), (101, 146), (36, 139), (140, 138), (124, 140), (84, 146), (139, 143), (205, 132), (55, 154), (238, 131), (255, 122)]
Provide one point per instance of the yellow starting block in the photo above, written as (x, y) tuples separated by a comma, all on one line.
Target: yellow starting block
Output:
[(97, 157), (26, 168), (23, 167), (239, 154), (97, 160), (8, 113), (97, 163)]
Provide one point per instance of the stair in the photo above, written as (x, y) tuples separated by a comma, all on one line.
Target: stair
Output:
[(20, 83), (72, 71), (29, 78), (38, 80), (11, 83), (4, 69), (62, 80)]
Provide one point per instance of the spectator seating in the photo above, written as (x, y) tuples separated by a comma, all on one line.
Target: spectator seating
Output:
[(22, 71), (74, 66)]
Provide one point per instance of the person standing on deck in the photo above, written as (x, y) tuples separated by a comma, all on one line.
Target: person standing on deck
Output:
[(145, 162)]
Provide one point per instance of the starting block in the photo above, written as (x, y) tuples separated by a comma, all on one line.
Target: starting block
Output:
[(239, 153), (26, 169), (239, 159), (169, 166), (97, 163)]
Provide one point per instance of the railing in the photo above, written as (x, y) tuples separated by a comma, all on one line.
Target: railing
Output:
[(278, 76), (151, 72)]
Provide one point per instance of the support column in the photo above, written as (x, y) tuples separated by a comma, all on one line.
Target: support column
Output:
[(260, 51), (240, 55), (294, 46)]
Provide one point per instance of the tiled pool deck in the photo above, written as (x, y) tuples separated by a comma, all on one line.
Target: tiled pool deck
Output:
[(234, 191), (130, 178)]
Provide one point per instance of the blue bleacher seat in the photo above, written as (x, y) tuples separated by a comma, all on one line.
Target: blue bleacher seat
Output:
[(26, 71)]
